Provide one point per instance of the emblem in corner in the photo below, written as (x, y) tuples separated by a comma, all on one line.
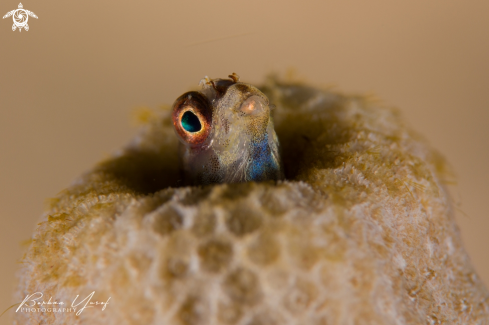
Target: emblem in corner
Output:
[(20, 17)]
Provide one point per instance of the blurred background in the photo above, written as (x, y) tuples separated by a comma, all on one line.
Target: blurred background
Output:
[(69, 85)]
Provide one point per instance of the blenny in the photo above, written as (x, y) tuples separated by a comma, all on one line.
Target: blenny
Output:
[(227, 133)]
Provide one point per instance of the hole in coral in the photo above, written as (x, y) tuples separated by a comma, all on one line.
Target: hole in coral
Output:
[(146, 171)]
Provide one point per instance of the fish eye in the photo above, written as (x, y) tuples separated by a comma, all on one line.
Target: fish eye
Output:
[(192, 117), (190, 122), (253, 105)]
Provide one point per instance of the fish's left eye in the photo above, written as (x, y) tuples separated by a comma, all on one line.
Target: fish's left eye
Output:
[(192, 117), (253, 105)]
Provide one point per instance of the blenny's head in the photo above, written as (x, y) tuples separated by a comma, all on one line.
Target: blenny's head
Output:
[(227, 133)]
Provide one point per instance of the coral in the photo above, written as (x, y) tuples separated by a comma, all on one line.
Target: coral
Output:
[(360, 232)]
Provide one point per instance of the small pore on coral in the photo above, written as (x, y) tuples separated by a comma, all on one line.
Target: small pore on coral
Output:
[(215, 255), (242, 286)]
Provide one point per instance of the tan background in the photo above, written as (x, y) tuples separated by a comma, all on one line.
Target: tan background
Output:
[(68, 85)]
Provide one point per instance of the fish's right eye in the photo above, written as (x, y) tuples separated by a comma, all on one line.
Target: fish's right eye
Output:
[(192, 117), (190, 122)]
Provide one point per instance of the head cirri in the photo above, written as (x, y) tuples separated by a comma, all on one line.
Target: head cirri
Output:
[(227, 133)]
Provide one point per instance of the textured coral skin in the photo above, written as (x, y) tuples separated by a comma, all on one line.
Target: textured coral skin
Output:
[(361, 232)]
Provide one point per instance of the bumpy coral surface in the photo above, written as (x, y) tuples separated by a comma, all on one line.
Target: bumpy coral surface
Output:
[(361, 232)]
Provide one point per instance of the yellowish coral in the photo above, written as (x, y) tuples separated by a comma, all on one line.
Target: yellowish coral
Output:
[(361, 232)]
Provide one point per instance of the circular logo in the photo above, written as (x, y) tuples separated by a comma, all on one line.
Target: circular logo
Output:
[(20, 17)]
